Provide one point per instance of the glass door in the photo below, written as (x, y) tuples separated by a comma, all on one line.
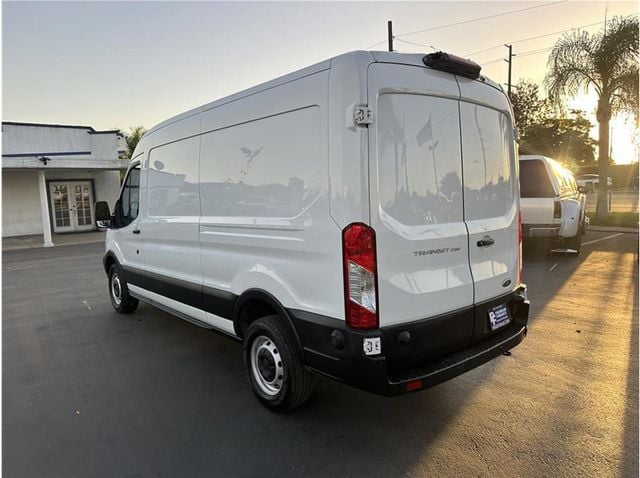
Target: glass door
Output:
[(60, 207), (83, 206), (71, 206)]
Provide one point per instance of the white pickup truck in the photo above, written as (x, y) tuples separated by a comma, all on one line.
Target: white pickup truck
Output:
[(553, 207)]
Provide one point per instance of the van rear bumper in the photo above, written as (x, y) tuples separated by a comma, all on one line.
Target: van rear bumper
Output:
[(331, 348)]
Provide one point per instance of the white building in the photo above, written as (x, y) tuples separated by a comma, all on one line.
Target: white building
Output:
[(52, 176)]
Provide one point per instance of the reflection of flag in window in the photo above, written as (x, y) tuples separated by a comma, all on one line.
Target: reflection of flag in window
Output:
[(425, 134)]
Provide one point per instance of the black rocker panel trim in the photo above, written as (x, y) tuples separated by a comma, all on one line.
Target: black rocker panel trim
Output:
[(214, 301)]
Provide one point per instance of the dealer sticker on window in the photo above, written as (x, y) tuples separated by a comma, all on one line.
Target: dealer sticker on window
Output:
[(499, 316), (371, 346)]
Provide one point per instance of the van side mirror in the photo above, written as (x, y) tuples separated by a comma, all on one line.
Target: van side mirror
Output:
[(103, 214)]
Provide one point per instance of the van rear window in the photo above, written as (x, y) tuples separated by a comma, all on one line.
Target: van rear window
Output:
[(534, 180), (419, 166), (487, 152)]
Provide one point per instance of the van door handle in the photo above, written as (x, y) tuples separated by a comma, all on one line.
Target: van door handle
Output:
[(486, 241), (136, 231)]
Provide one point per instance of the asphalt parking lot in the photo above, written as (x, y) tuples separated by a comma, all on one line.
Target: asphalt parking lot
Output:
[(88, 392)]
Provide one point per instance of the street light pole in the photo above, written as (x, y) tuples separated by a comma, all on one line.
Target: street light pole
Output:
[(390, 34), (511, 55)]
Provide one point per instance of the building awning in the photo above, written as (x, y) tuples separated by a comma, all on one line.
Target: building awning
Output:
[(34, 162)]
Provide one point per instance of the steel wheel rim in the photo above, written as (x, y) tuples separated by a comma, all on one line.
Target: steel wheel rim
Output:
[(116, 289), (266, 365)]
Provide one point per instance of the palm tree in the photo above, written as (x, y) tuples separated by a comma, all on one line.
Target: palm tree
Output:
[(606, 62)]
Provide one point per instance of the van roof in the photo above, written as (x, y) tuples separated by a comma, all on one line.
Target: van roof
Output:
[(372, 56)]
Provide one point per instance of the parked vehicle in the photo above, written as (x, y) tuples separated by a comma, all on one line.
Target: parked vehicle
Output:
[(358, 218), (590, 182), (553, 205)]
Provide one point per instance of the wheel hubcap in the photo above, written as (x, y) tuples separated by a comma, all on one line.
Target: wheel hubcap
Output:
[(116, 289), (266, 365)]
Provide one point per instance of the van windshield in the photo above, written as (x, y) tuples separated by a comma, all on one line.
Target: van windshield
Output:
[(534, 180)]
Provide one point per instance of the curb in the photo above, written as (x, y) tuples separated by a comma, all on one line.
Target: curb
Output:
[(22, 247)]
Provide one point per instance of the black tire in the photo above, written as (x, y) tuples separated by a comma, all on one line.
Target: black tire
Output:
[(278, 385), (119, 292), (574, 242)]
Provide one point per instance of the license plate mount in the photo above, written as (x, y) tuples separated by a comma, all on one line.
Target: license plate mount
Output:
[(499, 316)]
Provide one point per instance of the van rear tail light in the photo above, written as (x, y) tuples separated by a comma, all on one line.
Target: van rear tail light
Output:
[(557, 210), (360, 277), (519, 247)]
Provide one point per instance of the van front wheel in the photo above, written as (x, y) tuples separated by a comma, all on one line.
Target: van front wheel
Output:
[(119, 292), (274, 367)]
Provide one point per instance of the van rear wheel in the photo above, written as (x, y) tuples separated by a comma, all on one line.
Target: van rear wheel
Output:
[(274, 367), (119, 292)]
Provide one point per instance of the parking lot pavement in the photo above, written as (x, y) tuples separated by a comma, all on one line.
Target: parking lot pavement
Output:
[(88, 392)]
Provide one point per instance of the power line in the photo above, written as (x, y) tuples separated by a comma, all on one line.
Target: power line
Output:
[(525, 53), (376, 44), (539, 36), (492, 61), (477, 19), (533, 52), (533, 38), (416, 44)]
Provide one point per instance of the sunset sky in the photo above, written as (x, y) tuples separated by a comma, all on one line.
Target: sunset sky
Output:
[(122, 64)]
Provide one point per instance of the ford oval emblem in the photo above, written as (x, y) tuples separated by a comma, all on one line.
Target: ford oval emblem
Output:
[(506, 283)]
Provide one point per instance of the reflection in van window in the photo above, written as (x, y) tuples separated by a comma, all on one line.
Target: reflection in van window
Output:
[(486, 151), (130, 201), (173, 179), (419, 167), (265, 168), (534, 180)]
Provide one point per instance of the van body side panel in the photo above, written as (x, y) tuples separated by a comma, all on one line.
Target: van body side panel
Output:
[(491, 192), (416, 200), (348, 147), (265, 208), (169, 227)]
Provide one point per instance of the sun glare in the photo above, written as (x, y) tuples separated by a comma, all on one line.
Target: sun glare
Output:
[(625, 143)]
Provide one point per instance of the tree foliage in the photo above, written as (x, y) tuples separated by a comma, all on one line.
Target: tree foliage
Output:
[(528, 107), (563, 138), (606, 62), (133, 138), (542, 131)]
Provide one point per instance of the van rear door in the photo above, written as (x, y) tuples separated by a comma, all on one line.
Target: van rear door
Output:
[(417, 202), (491, 202)]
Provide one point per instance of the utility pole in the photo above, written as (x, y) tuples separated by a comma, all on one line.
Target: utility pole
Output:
[(390, 34), (511, 55)]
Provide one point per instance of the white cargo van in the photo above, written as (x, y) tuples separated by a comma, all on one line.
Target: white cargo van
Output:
[(358, 218)]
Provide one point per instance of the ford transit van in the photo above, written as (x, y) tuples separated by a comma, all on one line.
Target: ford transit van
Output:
[(358, 218)]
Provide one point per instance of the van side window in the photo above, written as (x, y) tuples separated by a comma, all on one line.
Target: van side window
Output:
[(489, 189), (269, 167), (534, 180), (173, 179), (130, 200)]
